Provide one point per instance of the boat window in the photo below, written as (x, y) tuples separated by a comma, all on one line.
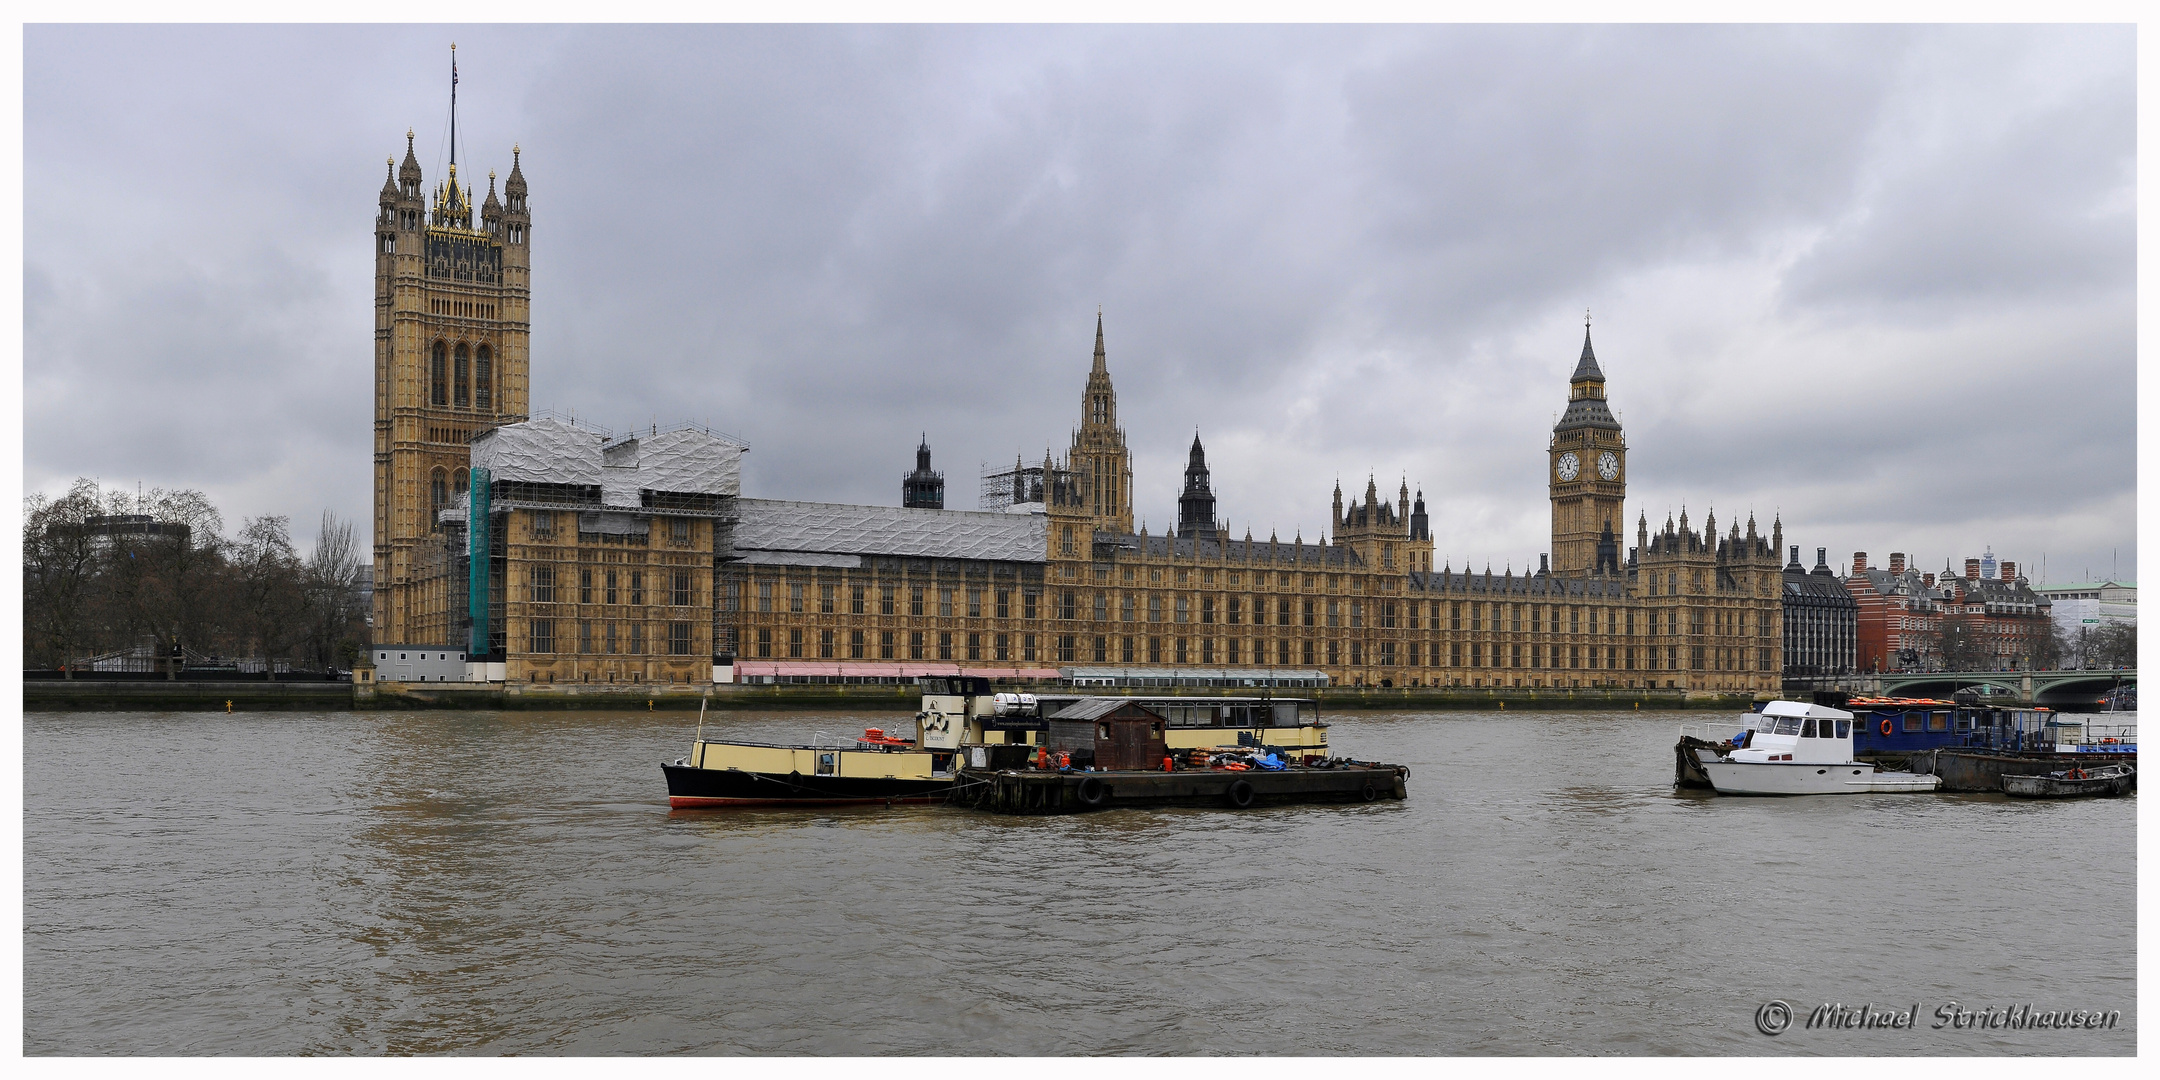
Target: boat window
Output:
[(825, 762), (1788, 725), (1807, 728), (1912, 722), (1844, 729), (1938, 721)]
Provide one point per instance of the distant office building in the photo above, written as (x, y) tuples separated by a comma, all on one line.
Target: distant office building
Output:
[(923, 489), (2088, 605), (107, 531), (1822, 620)]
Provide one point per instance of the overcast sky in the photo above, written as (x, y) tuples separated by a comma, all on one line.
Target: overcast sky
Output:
[(1877, 279)]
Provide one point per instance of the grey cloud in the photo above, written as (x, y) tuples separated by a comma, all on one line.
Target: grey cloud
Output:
[(1336, 251)]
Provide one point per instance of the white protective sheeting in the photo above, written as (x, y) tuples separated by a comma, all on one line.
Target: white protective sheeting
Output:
[(619, 486), (550, 451), (690, 461), (770, 525), (543, 451)]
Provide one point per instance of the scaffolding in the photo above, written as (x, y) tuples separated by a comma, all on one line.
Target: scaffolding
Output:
[(1023, 486)]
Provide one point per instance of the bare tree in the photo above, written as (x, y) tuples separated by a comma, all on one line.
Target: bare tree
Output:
[(2112, 645), (182, 568), (266, 587), (1957, 641), (330, 583), (60, 576)]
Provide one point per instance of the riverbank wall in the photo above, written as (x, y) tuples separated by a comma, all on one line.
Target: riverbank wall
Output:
[(115, 696)]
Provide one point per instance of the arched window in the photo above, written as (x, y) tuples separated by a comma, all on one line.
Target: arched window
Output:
[(461, 384), (484, 380), (457, 483), (439, 376), (438, 495)]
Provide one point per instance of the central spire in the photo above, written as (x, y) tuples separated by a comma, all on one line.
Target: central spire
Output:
[(1586, 369), (1101, 364)]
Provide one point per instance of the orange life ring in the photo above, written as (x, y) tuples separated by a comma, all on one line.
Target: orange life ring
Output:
[(1886, 727)]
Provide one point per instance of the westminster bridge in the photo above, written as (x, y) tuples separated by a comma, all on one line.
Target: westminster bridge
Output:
[(2055, 689)]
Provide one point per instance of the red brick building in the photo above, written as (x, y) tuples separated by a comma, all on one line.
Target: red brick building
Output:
[(1910, 621)]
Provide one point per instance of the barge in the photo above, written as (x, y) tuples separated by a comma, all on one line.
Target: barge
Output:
[(957, 712), (1033, 791)]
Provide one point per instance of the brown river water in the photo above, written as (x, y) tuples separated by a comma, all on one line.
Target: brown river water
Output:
[(514, 883)]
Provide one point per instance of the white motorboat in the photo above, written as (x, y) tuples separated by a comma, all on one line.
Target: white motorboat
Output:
[(1791, 748)]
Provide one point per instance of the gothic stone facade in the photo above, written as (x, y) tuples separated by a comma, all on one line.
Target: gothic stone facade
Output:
[(452, 324), (1683, 610), (827, 591)]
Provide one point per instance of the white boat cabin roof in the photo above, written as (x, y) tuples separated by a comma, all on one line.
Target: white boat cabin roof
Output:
[(1802, 709)]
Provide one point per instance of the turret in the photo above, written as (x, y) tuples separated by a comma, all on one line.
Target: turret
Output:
[(491, 210), (1196, 505), (924, 488), (409, 172)]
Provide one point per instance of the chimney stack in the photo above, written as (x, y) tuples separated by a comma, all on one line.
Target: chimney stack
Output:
[(2009, 571), (1897, 562), (1859, 562), (1972, 569)]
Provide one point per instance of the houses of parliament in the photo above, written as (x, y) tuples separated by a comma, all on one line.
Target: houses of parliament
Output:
[(550, 552)]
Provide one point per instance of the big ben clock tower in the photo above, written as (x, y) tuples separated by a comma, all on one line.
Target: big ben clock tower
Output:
[(1587, 475)]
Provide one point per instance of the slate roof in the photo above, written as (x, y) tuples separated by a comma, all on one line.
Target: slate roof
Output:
[(769, 526), (1091, 708)]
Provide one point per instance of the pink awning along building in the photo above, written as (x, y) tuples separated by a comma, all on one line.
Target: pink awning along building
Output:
[(884, 670)]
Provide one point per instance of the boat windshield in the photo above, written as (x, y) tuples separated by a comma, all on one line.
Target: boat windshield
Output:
[(1786, 725)]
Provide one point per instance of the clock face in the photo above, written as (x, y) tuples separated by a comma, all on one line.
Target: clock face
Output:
[(1568, 466), (1608, 465)]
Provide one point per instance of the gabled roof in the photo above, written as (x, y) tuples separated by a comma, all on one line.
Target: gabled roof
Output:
[(1093, 708)]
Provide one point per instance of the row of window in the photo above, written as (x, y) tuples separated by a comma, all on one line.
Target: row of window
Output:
[(1070, 648), (1233, 610), (888, 600), (463, 309), (612, 638), (462, 379), (542, 525), (673, 587), (889, 645)]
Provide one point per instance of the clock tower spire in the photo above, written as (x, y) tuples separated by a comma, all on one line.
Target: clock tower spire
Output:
[(1586, 473)]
